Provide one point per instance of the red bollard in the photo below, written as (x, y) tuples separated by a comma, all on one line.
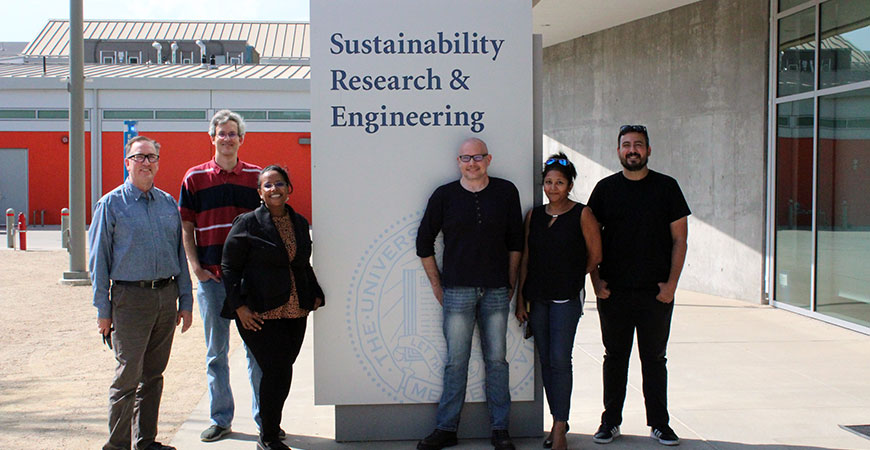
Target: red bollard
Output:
[(22, 231)]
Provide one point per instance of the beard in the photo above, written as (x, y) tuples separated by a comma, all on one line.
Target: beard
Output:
[(639, 164)]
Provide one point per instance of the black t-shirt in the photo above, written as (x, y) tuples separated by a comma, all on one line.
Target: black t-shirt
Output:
[(557, 255), (636, 237), (480, 229)]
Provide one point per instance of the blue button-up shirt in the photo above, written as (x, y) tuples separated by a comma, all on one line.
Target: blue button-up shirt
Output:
[(135, 236)]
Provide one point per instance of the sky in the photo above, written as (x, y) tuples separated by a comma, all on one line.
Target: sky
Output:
[(22, 20)]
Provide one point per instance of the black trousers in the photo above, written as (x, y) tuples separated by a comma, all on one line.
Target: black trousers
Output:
[(621, 314), (275, 347)]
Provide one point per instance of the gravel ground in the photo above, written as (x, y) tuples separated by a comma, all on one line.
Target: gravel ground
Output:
[(54, 369)]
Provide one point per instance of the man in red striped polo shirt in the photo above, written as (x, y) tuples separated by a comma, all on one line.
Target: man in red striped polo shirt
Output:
[(212, 195)]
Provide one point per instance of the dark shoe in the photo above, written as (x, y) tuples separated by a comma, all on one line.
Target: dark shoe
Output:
[(214, 433), (605, 434), (501, 440), (158, 446), (665, 435), (548, 442), (438, 440), (274, 445)]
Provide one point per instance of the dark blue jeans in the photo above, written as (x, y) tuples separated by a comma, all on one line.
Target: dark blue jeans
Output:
[(620, 314), (554, 326)]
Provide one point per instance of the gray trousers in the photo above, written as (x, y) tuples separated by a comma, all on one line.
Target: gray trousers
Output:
[(144, 321)]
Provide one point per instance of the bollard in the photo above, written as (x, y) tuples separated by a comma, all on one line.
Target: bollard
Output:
[(64, 228), (10, 228), (22, 231)]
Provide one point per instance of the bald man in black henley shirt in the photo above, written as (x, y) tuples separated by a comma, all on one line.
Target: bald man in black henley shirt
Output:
[(481, 220)]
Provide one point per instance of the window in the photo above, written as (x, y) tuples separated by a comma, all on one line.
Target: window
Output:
[(845, 54), (108, 60), (127, 114), (820, 211), (180, 115), (252, 115), (17, 114), (290, 115), (797, 53), (133, 60), (843, 208)]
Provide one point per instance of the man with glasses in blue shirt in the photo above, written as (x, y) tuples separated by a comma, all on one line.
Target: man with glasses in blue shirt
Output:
[(644, 220), (482, 223), (138, 271)]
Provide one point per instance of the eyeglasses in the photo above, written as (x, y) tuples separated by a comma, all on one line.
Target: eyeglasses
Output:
[(230, 135), (476, 158), (277, 185), (141, 157), (632, 129), (552, 161)]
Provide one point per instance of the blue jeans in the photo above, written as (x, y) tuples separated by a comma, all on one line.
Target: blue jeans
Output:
[(489, 307), (554, 326), (211, 295)]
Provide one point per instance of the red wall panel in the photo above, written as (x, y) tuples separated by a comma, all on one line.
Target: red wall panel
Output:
[(48, 170), (48, 164), (181, 150)]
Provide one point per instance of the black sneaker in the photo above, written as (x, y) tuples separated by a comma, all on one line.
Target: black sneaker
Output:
[(438, 440), (158, 446), (274, 445), (665, 435), (501, 440), (605, 434)]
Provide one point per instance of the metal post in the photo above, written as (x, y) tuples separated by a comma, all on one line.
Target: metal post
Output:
[(64, 228), (10, 228), (22, 231), (77, 259)]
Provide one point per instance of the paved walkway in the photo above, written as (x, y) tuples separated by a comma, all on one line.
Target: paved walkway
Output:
[(742, 376)]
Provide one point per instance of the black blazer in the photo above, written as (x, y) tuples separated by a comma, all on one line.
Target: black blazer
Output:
[(255, 264)]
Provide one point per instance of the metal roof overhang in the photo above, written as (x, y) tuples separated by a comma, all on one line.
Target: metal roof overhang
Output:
[(295, 85), (563, 20)]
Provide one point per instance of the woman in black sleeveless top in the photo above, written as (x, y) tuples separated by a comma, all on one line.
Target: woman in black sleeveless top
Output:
[(563, 244)]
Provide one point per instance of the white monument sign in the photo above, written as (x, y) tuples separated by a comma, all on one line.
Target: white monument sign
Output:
[(396, 86)]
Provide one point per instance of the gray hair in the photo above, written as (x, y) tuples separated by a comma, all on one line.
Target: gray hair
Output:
[(140, 138), (223, 116)]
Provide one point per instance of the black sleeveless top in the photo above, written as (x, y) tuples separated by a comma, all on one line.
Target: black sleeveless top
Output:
[(557, 256)]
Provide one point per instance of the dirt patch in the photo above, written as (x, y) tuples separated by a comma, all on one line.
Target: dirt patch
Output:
[(54, 369)]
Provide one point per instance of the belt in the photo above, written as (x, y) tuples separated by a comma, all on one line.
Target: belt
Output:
[(149, 284)]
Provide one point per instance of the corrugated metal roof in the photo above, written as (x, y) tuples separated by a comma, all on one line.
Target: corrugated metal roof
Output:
[(248, 72), (270, 39)]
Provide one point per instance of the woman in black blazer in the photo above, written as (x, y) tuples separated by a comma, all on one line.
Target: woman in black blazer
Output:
[(271, 288)]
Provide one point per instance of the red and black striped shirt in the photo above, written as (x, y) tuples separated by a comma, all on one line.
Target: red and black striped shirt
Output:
[(211, 198)]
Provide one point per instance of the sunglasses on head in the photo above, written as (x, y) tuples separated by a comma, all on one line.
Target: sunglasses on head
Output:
[(560, 161), (632, 128)]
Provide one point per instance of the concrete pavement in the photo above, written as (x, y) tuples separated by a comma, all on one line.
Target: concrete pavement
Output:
[(742, 376)]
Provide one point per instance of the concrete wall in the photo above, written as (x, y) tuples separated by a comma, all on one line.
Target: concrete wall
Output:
[(696, 76)]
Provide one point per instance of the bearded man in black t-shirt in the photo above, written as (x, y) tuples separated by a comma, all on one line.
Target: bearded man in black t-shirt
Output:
[(644, 225)]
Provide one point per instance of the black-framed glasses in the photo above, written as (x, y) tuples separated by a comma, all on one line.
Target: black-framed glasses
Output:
[(276, 185), (632, 129), (476, 158), (231, 135), (141, 157), (560, 161)]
